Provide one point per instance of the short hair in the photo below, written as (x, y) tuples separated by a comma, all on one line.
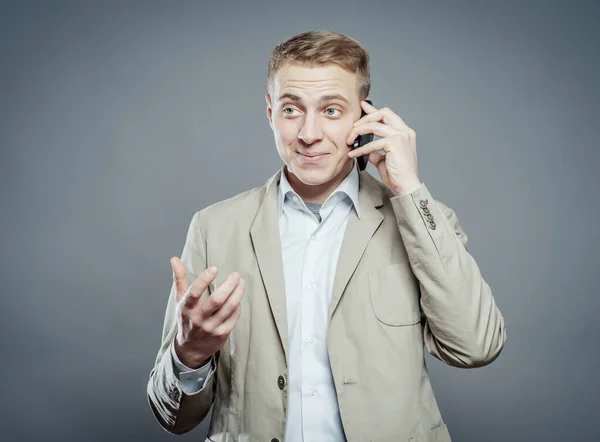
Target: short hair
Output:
[(319, 48)]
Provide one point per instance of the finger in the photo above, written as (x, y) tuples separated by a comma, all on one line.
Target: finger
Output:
[(367, 107), (378, 160), (200, 285), (373, 146), (384, 114), (220, 295), (225, 328), (375, 158), (180, 277), (373, 127), (230, 305)]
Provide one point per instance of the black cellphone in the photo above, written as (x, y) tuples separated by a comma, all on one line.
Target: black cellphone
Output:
[(360, 141)]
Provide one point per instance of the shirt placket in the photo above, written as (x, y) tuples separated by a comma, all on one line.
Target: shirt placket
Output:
[(311, 296)]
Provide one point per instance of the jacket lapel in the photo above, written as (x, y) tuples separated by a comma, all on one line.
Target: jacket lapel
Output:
[(266, 241), (357, 235)]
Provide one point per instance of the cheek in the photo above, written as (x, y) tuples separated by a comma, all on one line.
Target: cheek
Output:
[(338, 134), (285, 131)]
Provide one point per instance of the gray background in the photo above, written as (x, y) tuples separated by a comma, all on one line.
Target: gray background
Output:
[(118, 120)]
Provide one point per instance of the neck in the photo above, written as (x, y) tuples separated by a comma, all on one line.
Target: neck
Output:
[(316, 194)]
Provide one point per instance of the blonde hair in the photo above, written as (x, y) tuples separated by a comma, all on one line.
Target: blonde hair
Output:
[(319, 48)]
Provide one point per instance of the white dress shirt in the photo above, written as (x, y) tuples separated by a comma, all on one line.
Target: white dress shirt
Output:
[(310, 252)]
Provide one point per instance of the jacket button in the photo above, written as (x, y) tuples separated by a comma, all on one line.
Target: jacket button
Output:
[(423, 203), (280, 384)]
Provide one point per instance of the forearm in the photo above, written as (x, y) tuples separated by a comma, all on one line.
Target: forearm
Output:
[(463, 327)]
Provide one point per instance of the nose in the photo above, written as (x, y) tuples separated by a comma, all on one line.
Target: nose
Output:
[(311, 129)]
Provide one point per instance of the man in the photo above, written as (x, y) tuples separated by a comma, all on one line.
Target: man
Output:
[(300, 309)]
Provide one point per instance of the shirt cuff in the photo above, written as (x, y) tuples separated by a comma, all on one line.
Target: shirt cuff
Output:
[(192, 380)]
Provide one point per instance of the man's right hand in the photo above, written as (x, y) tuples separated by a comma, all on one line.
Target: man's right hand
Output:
[(203, 327)]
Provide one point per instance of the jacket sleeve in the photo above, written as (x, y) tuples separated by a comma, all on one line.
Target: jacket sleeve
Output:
[(176, 411), (461, 324), (192, 380)]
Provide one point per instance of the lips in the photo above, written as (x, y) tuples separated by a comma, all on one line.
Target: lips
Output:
[(312, 158), (312, 155)]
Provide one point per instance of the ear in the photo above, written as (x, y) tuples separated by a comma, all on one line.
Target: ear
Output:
[(269, 109)]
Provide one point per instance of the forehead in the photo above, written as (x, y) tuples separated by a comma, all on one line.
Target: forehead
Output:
[(312, 82)]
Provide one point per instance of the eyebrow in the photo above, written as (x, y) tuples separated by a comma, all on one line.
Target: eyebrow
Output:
[(323, 99)]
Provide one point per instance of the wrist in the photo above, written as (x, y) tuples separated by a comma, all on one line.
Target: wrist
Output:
[(190, 359), (407, 188)]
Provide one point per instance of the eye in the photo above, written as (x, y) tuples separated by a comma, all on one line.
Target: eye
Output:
[(332, 109), (288, 109)]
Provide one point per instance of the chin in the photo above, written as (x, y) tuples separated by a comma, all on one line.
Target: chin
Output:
[(314, 176)]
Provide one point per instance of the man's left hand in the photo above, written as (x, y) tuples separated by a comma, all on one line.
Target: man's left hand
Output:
[(398, 167)]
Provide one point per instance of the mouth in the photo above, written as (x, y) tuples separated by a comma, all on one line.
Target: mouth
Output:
[(312, 158)]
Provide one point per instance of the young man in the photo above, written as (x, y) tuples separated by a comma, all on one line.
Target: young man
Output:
[(326, 284)]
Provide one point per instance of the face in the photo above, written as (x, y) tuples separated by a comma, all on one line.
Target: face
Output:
[(311, 111)]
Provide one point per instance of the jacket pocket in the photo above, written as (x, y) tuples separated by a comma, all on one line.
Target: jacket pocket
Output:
[(439, 434), (394, 295)]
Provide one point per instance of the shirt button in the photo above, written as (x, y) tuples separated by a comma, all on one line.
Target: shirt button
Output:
[(312, 392), (311, 340), (311, 286)]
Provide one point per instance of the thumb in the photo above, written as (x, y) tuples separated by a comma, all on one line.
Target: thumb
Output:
[(180, 277)]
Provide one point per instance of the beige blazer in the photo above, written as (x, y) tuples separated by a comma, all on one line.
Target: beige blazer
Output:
[(404, 281)]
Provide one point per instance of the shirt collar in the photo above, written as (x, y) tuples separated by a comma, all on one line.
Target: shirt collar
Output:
[(349, 186)]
